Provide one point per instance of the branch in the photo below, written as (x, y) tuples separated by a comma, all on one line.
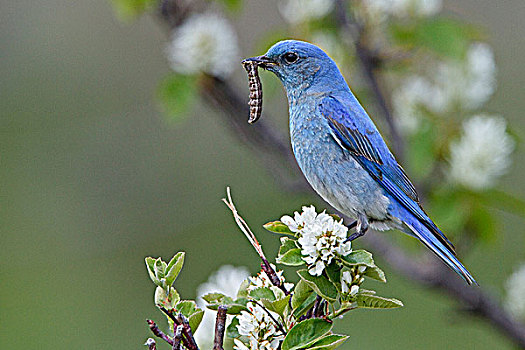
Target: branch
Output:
[(369, 62), (220, 327), (177, 331), (187, 339), (150, 343), (265, 265), (158, 333)]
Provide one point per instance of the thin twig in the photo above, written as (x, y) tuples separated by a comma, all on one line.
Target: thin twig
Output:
[(188, 334), (177, 338), (220, 328), (158, 333), (151, 344), (178, 320), (277, 324), (317, 306), (267, 268)]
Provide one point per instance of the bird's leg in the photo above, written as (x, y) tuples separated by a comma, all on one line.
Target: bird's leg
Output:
[(352, 225), (361, 225)]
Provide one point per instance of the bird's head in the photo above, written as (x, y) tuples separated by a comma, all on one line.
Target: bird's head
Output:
[(299, 65)]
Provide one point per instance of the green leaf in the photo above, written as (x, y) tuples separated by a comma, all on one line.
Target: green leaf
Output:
[(214, 297), (232, 5), (186, 307), (421, 151), (234, 306), (176, 94), (278, 227), (260, 293), (305, 333), (231, 330), (301, 309), (503, 200), (300, 293), (159, 268), (445, 36), (150, 265), (358, 257), (129, 9), (366, 291), (195, 319), (277, 306), (243, 289), (233, 309), (329, 342), (292, 257), (375, 273), (449, 208), (320, 284), (333, 271), (289, 253), (483, 223), (166, 300), (368, 301), (174, 267)]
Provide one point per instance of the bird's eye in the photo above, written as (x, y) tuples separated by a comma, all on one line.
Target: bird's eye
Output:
[(290, 57)]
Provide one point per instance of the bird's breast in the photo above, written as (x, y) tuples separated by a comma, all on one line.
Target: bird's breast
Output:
[(331, 170)]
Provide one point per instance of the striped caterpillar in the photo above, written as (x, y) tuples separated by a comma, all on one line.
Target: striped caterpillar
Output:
[(256, 96)]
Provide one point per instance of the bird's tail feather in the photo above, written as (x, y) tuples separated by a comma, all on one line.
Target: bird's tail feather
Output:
[(434, 244)]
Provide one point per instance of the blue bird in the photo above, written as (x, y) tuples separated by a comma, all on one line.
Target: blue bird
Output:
[(342, 154)]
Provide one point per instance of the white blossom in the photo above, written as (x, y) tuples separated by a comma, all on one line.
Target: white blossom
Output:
[(346, 281), (468, 83), (401, 8), (321, 237), (300, 220), (354, 289), (226, 280), (412, 94), (205, 42), (259, 328), (515, 293), (297, 11), (482, 154), (263, 281)]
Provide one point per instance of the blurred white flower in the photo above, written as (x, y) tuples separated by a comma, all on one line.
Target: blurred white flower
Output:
[(402, 8), (260, 329), (409, 97), (205, 42), (297, 11), (322, 237), (482, 154), (468, 83), (263, 281), (227, 281), (515, 293)]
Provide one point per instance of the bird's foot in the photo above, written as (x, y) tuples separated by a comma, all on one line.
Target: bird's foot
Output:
[(355, 235), (361, 225)]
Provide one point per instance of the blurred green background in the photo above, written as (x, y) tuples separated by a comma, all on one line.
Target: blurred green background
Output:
[(94, 179)]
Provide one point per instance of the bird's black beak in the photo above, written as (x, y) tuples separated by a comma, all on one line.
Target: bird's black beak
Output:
[(261, 61)]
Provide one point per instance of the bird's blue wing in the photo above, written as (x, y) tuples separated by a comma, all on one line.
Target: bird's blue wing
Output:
[(377, 160)]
